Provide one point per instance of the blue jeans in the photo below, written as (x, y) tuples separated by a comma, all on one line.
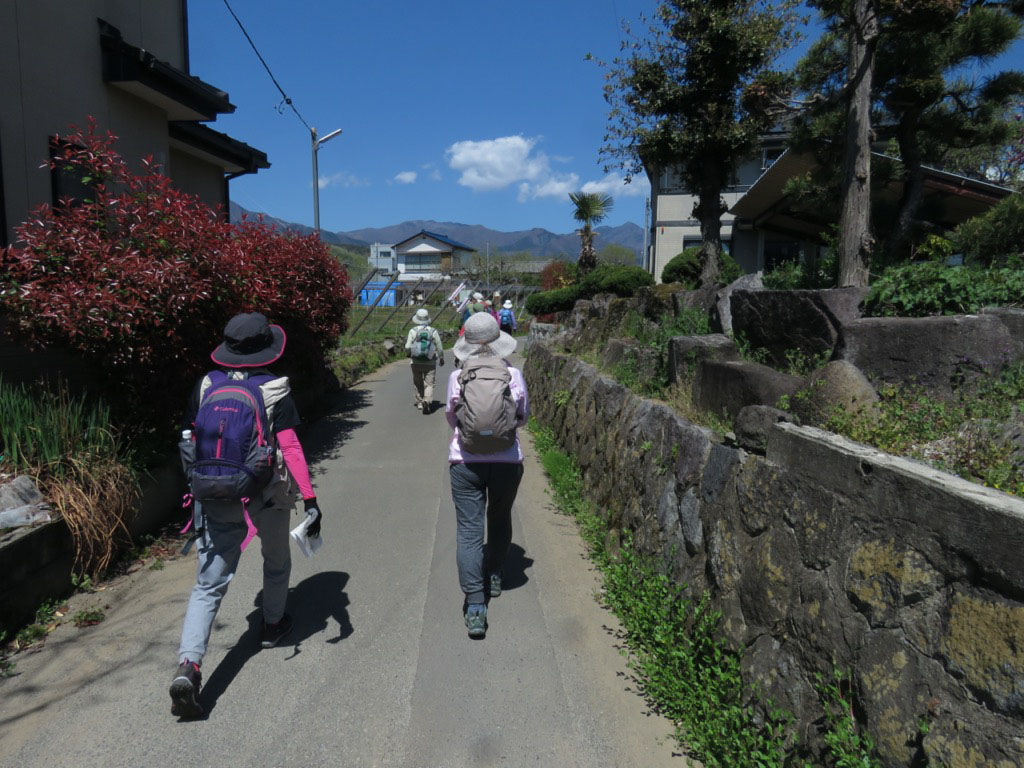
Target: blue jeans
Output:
[(218, 550), (482, 492)]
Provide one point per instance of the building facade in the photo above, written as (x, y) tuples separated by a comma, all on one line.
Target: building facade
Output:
[(125, 64)]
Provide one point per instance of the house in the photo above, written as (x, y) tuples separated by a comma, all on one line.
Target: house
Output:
[(429, 256), (764, 227), (127, 66), (673, 227), (788, 229)]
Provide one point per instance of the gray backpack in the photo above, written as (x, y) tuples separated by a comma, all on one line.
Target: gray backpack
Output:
[(485, 412), (423, 348)]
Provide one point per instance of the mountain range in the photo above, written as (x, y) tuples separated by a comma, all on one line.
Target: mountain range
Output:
[(541, 243)]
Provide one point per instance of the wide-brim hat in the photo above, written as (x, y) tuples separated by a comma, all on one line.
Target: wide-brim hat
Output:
[(249, 341), (422, 317), (507, 305), (482, 330), (477, 296)]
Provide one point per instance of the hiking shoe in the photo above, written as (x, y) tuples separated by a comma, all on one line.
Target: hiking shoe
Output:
[(272, 633), (495, 584), (476, 621), (185, 691), (426, 407)]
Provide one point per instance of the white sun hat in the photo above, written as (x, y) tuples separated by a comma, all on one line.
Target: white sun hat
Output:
[(422, 317), (483, 337), (507, 304)]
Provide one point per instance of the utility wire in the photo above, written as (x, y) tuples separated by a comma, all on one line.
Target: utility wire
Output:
[(284, 95)]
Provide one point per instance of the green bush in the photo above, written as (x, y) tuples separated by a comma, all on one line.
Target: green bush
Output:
[(995, 236), (685, 268), (620, 279), (932, 288), (557, 300), (793, 275)]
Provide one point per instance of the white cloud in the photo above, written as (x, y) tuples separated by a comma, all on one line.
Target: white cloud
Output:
[(615, 185), (405, 177), (341, 179), (497, 163), (553, 186)]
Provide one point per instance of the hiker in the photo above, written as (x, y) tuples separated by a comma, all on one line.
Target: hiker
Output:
[(486, 404), (424, 346), (490, 309), (474, 306), (241, 404), (507, 318)]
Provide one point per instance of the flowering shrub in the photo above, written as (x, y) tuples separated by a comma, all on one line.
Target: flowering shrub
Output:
[(557, 274), (141, 277)]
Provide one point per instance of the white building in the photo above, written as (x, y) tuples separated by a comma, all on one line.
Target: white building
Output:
[(429, 256)]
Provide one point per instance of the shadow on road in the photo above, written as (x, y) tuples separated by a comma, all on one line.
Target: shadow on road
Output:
[(312, 603), (514, 572), (324, 438)]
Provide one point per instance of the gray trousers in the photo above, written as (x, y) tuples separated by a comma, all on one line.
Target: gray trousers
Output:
[(423, 383), (482, 492), (219, 549)]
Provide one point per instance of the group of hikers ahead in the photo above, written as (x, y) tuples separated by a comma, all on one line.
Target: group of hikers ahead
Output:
[(244, 464)]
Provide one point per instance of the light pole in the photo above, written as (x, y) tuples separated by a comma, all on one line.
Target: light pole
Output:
[(316, 174)]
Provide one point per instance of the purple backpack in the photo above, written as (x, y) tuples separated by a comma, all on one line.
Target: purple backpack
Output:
[(234, 448)]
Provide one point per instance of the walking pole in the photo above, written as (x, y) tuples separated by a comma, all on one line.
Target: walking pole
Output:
[(372, 306), (398, 307), (422, 304), (463, 304)]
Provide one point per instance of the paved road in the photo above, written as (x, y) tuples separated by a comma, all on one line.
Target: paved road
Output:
[(379, 670)]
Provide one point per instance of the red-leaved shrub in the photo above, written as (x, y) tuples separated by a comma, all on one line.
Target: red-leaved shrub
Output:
[(141, 277), (557, 274)]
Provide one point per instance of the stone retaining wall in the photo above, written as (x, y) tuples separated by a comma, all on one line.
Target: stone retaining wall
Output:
[(822, 554)]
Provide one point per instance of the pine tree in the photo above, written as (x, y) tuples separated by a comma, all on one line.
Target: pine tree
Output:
[(696, 94)]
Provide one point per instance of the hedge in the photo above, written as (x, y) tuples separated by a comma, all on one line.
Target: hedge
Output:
[(685, 268), (932, 288)]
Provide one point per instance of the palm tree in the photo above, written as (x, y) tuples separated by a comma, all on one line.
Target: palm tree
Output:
[(591, 207)]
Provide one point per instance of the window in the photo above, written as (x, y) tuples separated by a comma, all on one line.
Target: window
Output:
[(694, 242), (422, 262), (769, 156), (778, 252)]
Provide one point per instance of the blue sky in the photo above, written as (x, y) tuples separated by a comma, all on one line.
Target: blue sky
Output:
[(474, 112)]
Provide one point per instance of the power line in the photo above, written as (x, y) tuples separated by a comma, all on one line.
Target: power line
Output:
[(284, 96)]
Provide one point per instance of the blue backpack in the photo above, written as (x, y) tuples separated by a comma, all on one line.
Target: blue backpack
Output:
[(506, 318), (233, 448)]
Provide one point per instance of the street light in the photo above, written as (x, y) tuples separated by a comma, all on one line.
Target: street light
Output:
[(316, 174)]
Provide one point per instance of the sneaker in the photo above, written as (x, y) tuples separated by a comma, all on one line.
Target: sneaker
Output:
[(272, 633), (495, 584), (476, 621), (185, 691)]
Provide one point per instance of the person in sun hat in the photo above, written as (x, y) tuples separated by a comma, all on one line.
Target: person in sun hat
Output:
[(486, 404), (426, 352), (507, 318), (224, 527)]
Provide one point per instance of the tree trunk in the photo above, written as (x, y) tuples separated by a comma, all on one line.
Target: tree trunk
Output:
[(855, 240), (588, 256), (913, 188), (708, 211)]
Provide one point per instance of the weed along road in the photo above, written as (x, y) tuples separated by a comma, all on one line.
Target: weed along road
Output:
[(378, 670)]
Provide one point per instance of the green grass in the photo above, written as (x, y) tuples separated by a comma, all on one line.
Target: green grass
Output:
[(395, 328)]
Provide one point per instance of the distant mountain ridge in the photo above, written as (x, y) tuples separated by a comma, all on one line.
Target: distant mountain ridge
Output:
[(541, 243)]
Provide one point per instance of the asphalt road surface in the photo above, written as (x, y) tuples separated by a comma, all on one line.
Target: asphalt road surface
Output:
[(378, 670)]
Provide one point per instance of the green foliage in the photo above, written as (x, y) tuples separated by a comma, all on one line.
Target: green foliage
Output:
[(794, 275), (619, 279), (995, 237), (613, 253), (685, 268), (562, 398), (88, 617), (349, 364), (557, 300), (45, 618), (935, 248), (356, 263), (82, 582), (960, 435), (848, 747), (675, 645), (48, 431), (932, 288)]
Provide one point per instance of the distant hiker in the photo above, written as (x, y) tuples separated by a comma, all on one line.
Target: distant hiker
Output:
[(490, 309), (507, 318), (486, 404), (241, 456), (475, 305), (424, 346)]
